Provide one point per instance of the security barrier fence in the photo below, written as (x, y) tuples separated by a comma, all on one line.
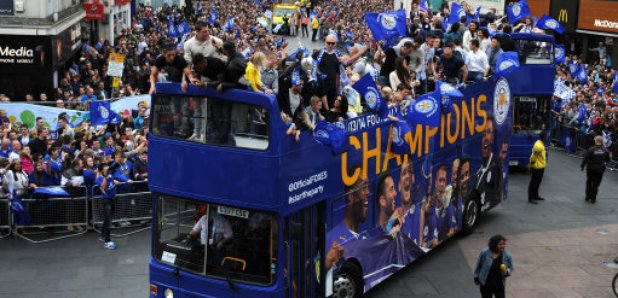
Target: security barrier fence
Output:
[(73, 211)]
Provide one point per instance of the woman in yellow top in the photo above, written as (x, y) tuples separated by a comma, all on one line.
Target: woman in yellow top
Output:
[(315, 25), (252, 72), (538, 160)]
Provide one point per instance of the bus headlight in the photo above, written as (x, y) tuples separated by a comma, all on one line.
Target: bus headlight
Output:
[(169, 293)]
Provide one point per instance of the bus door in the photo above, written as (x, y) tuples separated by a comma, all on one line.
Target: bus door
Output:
[(304, 234)]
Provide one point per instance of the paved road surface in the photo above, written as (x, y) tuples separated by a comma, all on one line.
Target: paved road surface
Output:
[(559, 248)]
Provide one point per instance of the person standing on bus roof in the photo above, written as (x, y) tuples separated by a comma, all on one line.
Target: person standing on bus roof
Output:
[(538, 160), (595, 160), (487, 175), (493, 266)]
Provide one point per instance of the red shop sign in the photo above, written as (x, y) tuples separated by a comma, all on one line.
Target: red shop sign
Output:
[(94, 11), (122, 2)]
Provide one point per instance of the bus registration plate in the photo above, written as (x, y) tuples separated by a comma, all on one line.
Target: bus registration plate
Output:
[(232, 212)]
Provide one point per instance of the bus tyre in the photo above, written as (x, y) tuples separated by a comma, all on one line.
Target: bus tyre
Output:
[(348, 283), (472, 212)]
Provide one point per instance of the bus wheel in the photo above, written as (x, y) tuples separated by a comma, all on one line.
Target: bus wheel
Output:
[(472, 212), (348, 283)]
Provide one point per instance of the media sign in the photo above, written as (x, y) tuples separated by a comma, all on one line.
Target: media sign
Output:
[(7, 7), (598, 15), (21, 52)]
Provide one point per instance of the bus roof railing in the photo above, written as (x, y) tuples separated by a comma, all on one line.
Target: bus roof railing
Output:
[(529, 36)]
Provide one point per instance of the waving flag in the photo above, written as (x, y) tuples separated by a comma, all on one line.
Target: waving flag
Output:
[(331, 135), (547, 22), (563, 91), (387, 26), (476, 17), (559, 54), (456, 13), (582, 113), (582, 74), (22, 216), (100, 112), (268, 14), (368, 90), (349, 34), (573, 69), (229, 24), (55, 192), (517, 11), (507, 62), (398, 137), (183, 28), (213, 16), (172, 30), (423, 7), (425, 110), (447, 89), (615, 85)]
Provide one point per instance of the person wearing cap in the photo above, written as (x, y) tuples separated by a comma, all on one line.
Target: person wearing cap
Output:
[(594, 159)]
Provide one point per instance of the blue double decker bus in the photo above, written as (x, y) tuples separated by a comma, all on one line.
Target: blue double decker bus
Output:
[(244, 210), (533, 93)]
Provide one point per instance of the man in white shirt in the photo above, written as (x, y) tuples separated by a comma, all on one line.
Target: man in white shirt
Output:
[(203, 43), (477, 63)]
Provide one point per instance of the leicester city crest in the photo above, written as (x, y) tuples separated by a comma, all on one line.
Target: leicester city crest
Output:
[(573, 68), (551, 24), (426, 107), (388, 21), (506, 64), (461, 13), (558, 53), (372, 98), (502, 100), (516, 9), (104, 112), (397, 139)]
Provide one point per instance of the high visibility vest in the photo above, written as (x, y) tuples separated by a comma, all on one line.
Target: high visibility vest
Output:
[(305, 20)]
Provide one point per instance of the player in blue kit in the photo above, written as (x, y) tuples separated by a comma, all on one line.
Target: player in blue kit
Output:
[(435, 211), (357, 200), (410, 203)]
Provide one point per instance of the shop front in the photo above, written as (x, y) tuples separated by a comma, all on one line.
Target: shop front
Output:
[(598, 22)]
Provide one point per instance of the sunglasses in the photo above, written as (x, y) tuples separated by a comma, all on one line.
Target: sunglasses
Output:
[(330, 43)]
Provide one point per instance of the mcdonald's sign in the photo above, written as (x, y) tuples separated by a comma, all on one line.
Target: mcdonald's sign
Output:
[(566, 12), (597, 15)]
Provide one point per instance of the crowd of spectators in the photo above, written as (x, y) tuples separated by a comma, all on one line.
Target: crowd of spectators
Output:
[(246, 54)]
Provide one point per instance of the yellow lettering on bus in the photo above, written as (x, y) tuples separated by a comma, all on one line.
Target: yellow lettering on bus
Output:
[(452, 138), (347, 179), (373, 153), (430, 132), (442, 130), (416, 141), (482, 113), (467, 117)]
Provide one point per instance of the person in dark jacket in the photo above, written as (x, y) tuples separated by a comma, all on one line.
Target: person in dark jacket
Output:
[(595, 159), (506, 42), (235, 68)]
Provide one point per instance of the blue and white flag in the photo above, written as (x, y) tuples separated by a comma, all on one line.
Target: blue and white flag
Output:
[(172, 30), (214, 15), (229, 24), (331, 135), (349, 34), (615, 84), (263, 22), (423, 7), (476, 17), (100, 112), (368, 90), (20, 213), (398, 137), (559, 54), (456, 13), (54, 191), (447, 89), (183, 28), (582, 74), (546, 22), (425, 110), (573, 69), (507, 62), (563, 91), (277, 28), (268, 14), (387, 26), (582, 113), (517, 11)]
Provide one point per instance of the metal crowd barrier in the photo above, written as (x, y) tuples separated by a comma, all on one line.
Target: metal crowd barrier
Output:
[(132, 212), (55, 218), (571, 139), (5, 218)]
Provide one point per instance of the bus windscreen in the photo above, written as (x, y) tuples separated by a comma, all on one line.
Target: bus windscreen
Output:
[(211, 121), (216, 241)]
